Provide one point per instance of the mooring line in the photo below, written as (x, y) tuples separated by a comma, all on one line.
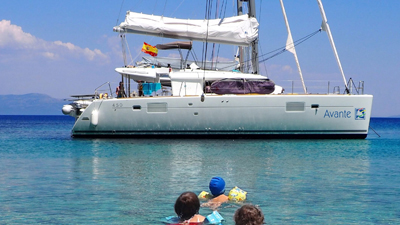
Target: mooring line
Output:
[(375, 131)]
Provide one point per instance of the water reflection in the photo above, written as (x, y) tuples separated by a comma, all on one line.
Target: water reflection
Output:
[(293, 181), (185, 163), (50, 180)]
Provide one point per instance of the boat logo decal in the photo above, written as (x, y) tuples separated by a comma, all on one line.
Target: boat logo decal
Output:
[(360, 114)]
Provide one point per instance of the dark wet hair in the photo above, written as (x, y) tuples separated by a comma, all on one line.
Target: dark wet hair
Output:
[(248, 215), (187, 205)]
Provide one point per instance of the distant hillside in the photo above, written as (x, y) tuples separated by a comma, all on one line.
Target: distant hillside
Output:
[(30, 104)]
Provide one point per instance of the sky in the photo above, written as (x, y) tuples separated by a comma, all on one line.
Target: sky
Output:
[(63, 48)]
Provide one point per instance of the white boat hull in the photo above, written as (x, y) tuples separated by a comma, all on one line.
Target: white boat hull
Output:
[(226, 116)]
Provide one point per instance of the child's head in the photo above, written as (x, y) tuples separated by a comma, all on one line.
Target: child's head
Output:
[(187, 205), (248, 215), (217, 186)]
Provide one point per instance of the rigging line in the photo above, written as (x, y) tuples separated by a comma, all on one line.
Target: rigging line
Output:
[(194, 56), (119, 14), (224, 3), (129, 50), (164, 7), (374, 131), (205, 44), (276, 54), (281, 49), (205, 17), (259, 14), (265, 67), (208, 22), (284, 50), (216, 60), (213, 46), (295, 43), (307, 37), (155, 6), (259, 43), (177, 8), (234, 8), (137, 5), (216, 8), (299, 42)]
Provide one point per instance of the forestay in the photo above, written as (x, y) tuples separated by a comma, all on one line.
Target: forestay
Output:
[(238, 30)]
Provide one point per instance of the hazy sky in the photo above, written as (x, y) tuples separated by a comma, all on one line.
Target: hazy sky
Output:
[(62, 48)]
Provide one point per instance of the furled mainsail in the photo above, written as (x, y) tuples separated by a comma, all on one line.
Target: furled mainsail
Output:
[(237, 30)]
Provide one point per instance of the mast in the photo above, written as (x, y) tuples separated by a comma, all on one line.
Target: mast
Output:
[(325, 27), (290, 46), (254, 44), (123, 41)]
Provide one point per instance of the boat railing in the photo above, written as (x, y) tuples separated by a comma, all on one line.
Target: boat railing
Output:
[(336, 90), (102, 91), (321, 87), (359, 89)]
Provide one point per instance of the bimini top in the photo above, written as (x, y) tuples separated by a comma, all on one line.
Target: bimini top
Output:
[(237, 30), (175, 45)]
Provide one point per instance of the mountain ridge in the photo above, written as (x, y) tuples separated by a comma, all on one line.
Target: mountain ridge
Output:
[(30, 104)]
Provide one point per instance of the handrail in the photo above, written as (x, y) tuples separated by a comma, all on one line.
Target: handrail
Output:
[(319, 86), (109, 86)]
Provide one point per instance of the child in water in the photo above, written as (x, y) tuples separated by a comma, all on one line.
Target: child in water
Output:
[(248, 215), (217, 189), (187, 208)]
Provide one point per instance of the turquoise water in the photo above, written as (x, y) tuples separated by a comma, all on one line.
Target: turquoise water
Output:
[(50, 178)]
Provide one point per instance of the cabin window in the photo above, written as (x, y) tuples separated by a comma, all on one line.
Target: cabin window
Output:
[(295, 106), (157, 107), (137, 107)]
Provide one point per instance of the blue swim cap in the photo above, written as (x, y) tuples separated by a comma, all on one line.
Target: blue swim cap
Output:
[(217, 186)]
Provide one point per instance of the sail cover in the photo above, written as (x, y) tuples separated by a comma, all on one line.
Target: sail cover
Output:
[(242, 86), (238, 30)]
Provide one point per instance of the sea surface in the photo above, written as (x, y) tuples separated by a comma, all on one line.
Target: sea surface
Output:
[(47, 177)]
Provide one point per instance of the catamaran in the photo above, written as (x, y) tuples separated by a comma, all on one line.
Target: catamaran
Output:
[(210, 102)]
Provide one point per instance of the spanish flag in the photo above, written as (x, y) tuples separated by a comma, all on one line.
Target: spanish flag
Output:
[(151, 50)]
